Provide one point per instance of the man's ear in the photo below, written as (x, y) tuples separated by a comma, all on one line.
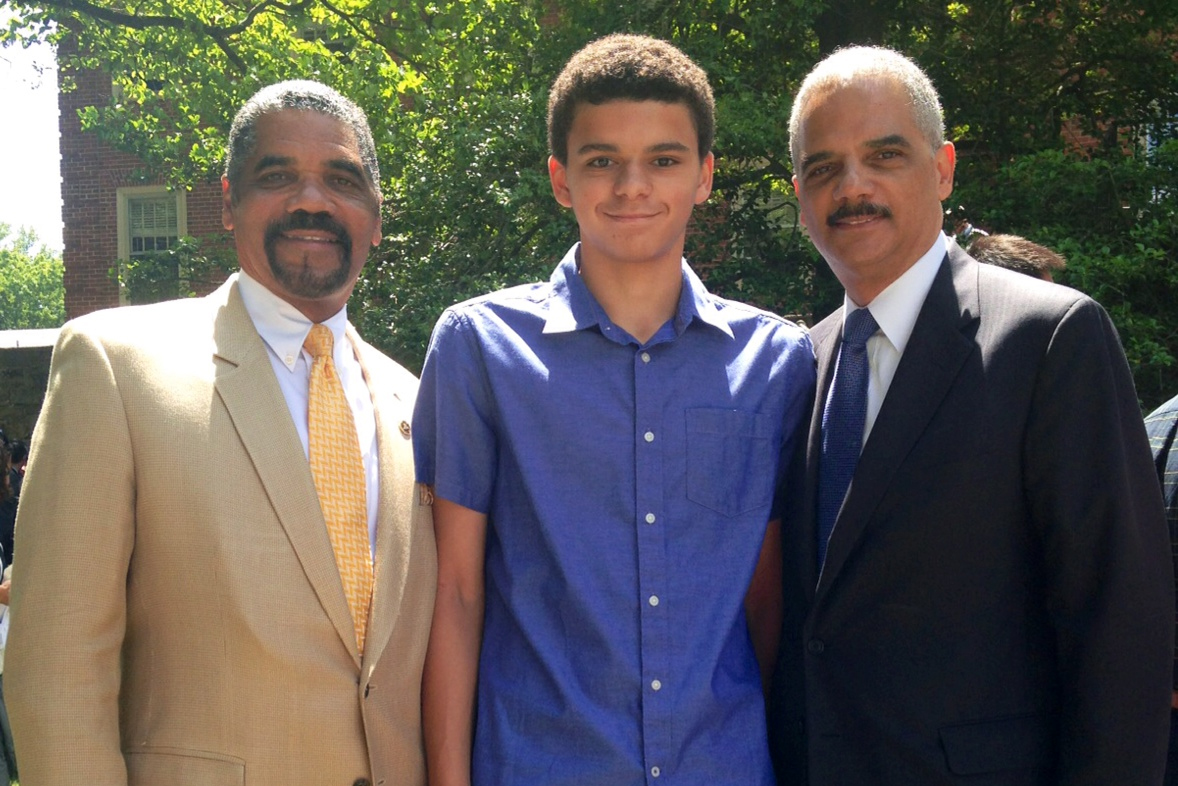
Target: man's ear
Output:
[(376, 236), (946, 158), (798, 194), (226, 205), (558, 176)]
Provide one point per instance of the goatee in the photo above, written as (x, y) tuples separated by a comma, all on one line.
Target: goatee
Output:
[(299, 278)]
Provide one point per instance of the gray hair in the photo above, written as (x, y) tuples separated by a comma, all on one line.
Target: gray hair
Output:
[(857, 63), (302, 94)]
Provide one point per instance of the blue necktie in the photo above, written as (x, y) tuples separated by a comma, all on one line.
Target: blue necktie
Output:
[(843, 421)]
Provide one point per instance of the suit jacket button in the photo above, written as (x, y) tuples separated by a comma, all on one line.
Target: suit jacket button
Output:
[(816, 646)]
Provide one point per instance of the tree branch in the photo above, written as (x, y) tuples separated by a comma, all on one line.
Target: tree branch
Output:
[(394, 54), (220, 35)]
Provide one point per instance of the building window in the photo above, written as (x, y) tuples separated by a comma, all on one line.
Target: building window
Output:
[(151, 219), (152, 224)]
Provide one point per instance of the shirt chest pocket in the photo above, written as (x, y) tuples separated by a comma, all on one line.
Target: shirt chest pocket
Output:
[(731, 460)]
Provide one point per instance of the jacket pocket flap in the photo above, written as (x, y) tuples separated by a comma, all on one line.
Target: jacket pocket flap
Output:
[(182, 767), (1019, 742)]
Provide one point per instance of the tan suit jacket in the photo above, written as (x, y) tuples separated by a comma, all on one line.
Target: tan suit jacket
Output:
[(179, 618)]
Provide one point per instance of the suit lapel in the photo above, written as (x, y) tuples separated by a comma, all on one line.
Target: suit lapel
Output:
[(247, 387), (394, 516), (931, 362)]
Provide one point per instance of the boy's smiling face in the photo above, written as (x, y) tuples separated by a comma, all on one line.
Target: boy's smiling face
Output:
[(632, 178)]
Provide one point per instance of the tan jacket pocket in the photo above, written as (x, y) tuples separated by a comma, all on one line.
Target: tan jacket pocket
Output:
[(182, 767)]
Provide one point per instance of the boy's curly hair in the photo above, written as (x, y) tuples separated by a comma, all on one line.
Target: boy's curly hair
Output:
[(633, 68)]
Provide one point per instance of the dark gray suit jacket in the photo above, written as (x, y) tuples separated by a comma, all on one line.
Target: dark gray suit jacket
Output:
[(997, 602)]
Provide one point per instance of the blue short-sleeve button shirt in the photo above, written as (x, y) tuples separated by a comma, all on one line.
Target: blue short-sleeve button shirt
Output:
[(627, 488)]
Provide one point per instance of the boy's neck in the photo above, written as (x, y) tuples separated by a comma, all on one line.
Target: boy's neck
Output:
[(638, 297)]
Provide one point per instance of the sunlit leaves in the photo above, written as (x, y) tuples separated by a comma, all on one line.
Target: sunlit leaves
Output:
[(456, 91), (31, 291)]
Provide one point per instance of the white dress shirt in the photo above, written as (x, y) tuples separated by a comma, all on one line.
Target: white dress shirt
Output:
[(283, 328), (895, 311)]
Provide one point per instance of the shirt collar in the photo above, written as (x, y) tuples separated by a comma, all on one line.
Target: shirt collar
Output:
[(282, 326), (896, 308), (572, 306)]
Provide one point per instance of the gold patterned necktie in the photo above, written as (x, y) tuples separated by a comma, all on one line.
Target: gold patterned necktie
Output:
[(338, 470)]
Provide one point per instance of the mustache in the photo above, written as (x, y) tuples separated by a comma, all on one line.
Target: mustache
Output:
[(301, 219), (857, 211)]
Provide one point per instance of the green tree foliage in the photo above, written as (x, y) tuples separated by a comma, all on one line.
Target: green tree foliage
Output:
[(1013, 74), (456, 92), (31, 291)]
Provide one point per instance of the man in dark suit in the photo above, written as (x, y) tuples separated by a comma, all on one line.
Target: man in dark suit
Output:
[(978, 588)]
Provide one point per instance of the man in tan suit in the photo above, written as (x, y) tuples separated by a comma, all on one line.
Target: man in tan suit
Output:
[(179, 617)]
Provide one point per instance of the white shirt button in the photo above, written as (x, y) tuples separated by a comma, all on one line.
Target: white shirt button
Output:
[(654, 600), (649, 518), (648, 436), (655, 772), (645, 357), (656, 685)]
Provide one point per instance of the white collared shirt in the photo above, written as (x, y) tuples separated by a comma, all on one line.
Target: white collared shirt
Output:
[(283, 328), (895, 311)]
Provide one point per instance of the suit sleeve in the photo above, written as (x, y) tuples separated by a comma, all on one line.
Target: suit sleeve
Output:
[(75, 530), (1110, 593)]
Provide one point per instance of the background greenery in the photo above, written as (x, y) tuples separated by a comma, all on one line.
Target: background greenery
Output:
[(456, 93), (31, 293)]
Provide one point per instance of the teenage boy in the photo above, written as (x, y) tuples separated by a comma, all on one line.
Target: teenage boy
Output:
[(603, 450)]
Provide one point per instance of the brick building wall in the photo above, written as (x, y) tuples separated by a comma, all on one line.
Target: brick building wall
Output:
[(91, 174)]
